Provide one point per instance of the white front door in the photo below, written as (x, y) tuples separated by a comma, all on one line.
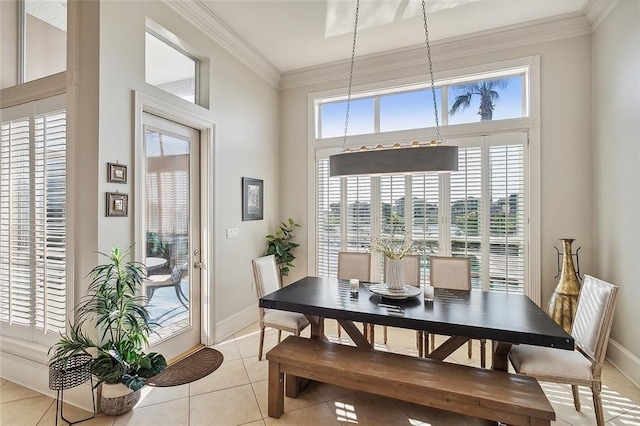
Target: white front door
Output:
[(171, 233)]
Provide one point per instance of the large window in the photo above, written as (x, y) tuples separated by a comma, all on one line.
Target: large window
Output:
[(479, 214), (482, 211), (33, 244)]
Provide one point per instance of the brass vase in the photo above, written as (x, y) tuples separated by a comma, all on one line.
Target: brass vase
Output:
[(564, 301)]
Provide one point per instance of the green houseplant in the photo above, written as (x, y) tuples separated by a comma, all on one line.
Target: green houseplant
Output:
[(112, 304), (281, 245)]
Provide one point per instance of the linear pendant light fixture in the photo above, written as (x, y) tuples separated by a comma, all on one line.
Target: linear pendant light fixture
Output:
[(414, 158)]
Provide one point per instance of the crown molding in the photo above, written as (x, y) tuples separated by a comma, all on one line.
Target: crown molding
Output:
[(205, 19), (540, 31), (597, 10)]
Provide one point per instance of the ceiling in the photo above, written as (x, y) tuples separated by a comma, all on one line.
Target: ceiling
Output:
[(295, 34)]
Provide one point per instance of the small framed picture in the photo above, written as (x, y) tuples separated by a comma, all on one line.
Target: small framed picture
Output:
[(252, 199), (116, 173), (117, 204)]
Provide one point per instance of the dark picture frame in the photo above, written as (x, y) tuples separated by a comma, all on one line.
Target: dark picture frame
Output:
[(116, 173), (117, 204), (252, 199)]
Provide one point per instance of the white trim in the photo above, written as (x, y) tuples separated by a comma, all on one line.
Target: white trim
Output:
[(145, 103), (532, 180), (35, 90), (472, 44), (627, 363), (209, 22), (238, 321), (597, 10)]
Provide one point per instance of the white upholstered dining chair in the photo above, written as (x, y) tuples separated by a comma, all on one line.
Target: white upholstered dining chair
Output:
[(267, 280), (454, 273), (582, 367), (411, 269), (354, 265)]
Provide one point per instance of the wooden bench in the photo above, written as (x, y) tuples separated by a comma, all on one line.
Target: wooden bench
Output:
[(489, 394)]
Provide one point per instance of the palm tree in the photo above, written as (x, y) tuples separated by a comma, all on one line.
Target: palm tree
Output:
[(487, 92)]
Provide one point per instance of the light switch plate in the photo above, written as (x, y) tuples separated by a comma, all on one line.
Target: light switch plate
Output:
[(232, 232)]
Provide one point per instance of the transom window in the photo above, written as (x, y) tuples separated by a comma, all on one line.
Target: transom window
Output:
[(467, 101), (170, 67), (43, 42)]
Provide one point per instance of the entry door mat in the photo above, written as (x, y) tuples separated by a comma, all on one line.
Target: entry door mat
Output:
[(194, 367)]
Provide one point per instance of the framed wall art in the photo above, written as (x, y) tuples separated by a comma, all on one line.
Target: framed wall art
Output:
[(116, 173), (252, 199), (117, 204)]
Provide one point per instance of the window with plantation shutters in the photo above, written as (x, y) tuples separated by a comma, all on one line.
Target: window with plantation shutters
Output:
[(329, 223), (425, 220), (466, 200), (506, 220), (33, 253), (476, 212)]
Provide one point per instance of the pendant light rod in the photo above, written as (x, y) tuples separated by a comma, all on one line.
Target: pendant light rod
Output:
[(353, 57), (417, 158), (433, 88)]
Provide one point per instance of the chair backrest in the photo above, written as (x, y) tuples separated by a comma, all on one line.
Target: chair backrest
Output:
[(411, 268), (266, 275), (354, 265), (594, 316), (450, 272), (176, 274)]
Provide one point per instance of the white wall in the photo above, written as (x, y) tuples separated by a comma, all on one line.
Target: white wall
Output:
[(8, 43), (616, 177), (566, 192)]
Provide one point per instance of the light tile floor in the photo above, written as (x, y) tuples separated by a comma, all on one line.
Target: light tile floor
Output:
[(236, 394)]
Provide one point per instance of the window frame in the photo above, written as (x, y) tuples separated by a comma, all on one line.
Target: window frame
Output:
[(166, 37), (529, 124)]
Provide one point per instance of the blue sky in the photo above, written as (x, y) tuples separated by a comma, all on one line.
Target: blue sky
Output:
[(414, 109)]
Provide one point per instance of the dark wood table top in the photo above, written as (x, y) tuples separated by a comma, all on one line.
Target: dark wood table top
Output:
[(503, 317)]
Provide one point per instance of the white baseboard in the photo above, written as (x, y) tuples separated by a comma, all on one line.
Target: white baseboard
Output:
[(234, 323), (35, 376), (627, 363)]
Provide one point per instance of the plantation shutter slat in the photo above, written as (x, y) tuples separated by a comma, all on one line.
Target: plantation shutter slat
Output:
[(506, 180), (392, 210), (33, 252), (466, 210), (328, 220), (358, 214), (425, 225), (50, 221)]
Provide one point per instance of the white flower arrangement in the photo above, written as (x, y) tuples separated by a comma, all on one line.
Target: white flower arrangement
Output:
[(394, 247)]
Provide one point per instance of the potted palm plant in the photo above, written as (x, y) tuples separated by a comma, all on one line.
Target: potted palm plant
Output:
[(114, 306)]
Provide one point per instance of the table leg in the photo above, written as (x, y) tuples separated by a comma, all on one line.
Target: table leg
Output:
[(355, 334), (317, 327), (500, 359), (448, 347)]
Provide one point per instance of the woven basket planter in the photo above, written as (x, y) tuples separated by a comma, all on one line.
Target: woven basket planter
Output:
[(117, 399)]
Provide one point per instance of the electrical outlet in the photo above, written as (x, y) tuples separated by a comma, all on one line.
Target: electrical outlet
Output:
[(232, 232)]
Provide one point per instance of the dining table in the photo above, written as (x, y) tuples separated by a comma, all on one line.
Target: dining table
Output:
[(506, 319)]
